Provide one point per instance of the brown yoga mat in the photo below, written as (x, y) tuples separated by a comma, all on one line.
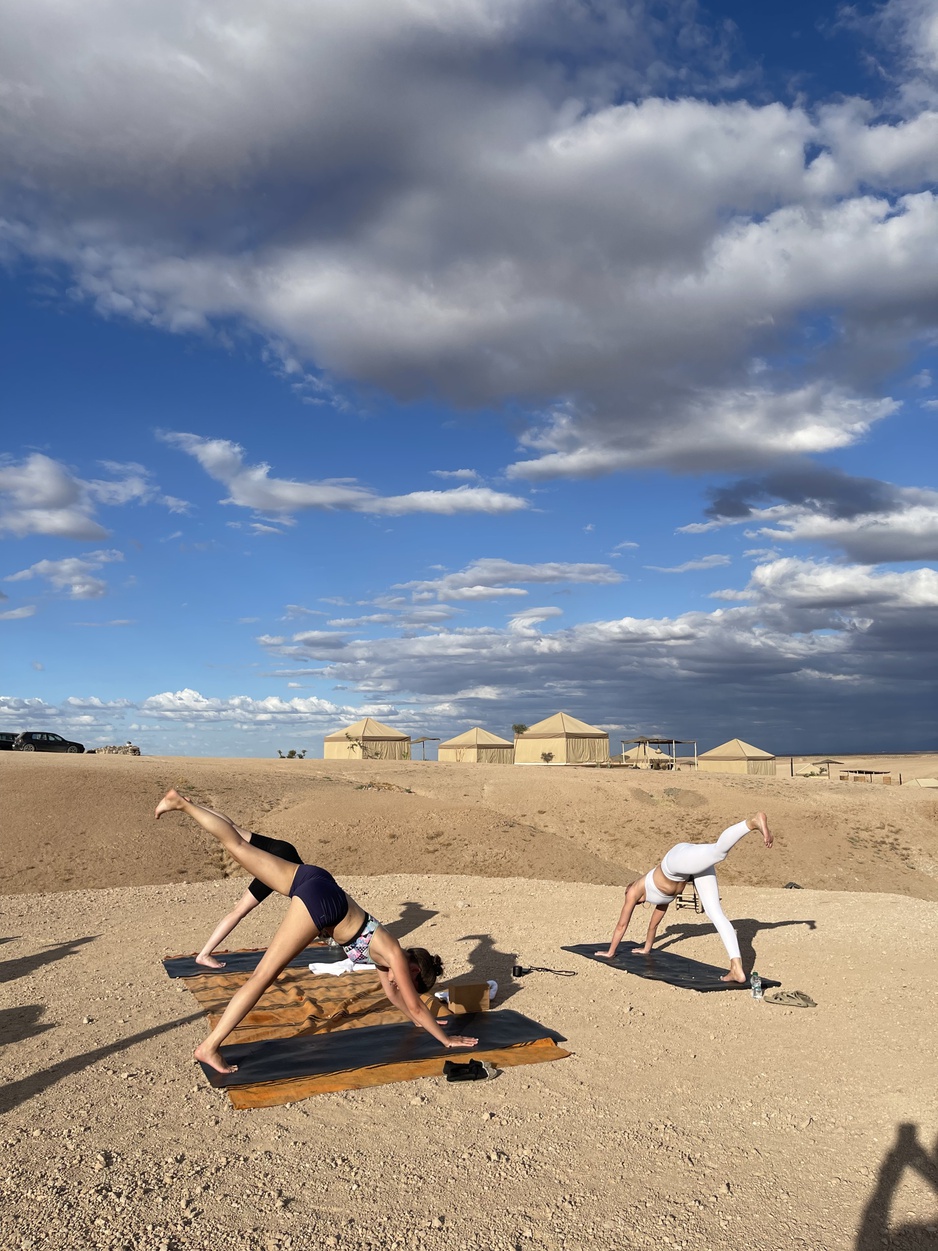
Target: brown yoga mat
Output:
[(315, 1009)]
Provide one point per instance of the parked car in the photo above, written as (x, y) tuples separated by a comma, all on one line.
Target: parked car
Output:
[(6, 741), (34, 740)]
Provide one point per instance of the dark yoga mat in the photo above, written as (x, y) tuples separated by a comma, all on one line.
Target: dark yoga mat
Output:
[(665, 966), (247, 961), (314, 1055)]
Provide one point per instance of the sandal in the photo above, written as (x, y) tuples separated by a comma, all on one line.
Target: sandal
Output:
[(789, 998)]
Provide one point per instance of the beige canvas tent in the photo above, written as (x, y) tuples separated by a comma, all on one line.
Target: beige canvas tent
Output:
[(366, 740), (928, 783), (736, 757), (477, 746), (564, 740)]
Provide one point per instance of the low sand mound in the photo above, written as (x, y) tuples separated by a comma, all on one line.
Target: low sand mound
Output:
[(88, 821)]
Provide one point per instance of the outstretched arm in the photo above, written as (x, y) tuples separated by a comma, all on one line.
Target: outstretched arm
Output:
[(633, 896), (403, 995), (656, 918)]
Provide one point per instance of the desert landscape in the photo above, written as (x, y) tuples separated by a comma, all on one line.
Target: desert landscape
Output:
[(680, 1119)]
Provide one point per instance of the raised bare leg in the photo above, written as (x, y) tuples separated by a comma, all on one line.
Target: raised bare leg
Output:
[(760, 822), (273, 872), (296, 932)]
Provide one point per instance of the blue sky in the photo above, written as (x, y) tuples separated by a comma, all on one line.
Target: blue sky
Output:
[(458, 363)]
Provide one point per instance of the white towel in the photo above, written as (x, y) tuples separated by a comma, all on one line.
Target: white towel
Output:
[(340, 966)]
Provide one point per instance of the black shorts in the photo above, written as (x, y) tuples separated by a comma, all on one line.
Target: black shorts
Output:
[(277, 847), (326, 901)]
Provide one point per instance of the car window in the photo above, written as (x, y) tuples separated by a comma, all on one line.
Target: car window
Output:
[(55, 738)]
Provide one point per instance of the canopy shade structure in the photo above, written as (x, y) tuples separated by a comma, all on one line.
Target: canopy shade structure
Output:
[(477, 746), (826, 764), (646, 756), (736, 756), (928, 783), (366, 740), (562, 740)]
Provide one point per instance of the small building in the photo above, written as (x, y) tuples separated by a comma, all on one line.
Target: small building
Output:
[(736, 756), (366, 740), (477, 746), (562, 740)]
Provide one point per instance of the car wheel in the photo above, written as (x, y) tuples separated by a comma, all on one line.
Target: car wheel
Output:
[(73, 750), (28, 747)]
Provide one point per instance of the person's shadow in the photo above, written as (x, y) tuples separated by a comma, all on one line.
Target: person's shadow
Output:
[(15, 1093), (18, 1024), (486, 961), (906, 1153), (412, 917), (10, 970), (746, 930)]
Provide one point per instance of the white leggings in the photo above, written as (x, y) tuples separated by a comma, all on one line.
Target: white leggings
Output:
[(697, 860)]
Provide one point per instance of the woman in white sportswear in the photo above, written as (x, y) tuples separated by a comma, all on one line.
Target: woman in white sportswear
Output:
[(686, 861)]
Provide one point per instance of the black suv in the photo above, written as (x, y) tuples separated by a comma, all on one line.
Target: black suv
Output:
[(6, 741), (36, 741)]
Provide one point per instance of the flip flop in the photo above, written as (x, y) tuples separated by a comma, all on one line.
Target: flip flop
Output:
[(789, 998)]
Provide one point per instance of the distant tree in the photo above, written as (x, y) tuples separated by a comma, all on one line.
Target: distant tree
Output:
[(520, 728), (547, 756), (292, 754)]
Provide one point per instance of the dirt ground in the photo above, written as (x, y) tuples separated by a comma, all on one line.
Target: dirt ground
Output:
[(681, 1119)]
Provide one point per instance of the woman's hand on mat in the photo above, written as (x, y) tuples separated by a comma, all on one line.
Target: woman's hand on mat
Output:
[(458, 1041)]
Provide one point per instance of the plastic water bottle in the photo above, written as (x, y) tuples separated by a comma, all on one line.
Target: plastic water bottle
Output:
[(756, 983)]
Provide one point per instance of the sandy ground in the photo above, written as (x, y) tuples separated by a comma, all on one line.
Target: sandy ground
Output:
[(682, 1120)]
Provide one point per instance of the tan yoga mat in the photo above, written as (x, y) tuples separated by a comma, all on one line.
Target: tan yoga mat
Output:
[(303, 1003)]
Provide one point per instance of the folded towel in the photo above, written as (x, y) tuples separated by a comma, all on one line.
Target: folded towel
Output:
[(340, 966)]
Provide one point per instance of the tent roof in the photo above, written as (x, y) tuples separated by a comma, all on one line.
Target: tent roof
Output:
[(930, 782), (563, 723), (736, 749), (366, 728), (476, 737)]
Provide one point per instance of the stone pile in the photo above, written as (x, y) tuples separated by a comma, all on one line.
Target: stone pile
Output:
[(128, 749)]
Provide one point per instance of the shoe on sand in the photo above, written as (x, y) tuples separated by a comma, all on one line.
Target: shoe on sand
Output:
[(789, 998), (474, 1071)]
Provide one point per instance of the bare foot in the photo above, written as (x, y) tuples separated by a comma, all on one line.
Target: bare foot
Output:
[(210, 962), (212, 1057), (735, 974), (172, 801), (606, 955), (641, 951), (763, 823)]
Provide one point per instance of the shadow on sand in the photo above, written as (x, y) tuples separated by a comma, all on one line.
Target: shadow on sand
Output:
[(10, 970), (18, 1024), (411, 918), (486, 961), (746, 930), (15, 1093), (874, 1233)]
